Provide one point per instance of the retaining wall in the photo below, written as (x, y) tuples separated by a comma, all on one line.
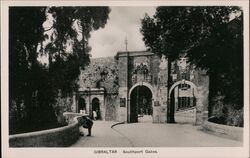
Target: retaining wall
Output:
[(70, 116), (57, 137), (235, 133)]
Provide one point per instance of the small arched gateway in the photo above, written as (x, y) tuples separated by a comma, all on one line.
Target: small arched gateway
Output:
[(81, 105), (90, 99), (182, 101), (96, 107)]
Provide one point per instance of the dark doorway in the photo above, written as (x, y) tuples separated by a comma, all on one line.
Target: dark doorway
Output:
[(96, 107), (81, 104), (140, 103)]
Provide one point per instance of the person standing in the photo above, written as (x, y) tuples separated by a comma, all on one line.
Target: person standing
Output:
[(87, 123), (94, 115), (84, 111)]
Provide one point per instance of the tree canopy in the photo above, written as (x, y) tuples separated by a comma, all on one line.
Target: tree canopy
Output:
[(34, 86), (211, 38), (74, 30), (175, 30)]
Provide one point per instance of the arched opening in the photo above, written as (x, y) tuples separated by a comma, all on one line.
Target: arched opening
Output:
[(96, 107), (81, 105), (141, 109), (183, 102)]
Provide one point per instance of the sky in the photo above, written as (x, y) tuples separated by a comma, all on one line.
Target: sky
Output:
[(122, 22)]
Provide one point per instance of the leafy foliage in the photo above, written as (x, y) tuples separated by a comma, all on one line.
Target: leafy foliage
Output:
[(210, 40), (175, 30), (73, 29), (26, 31), (34, 87)]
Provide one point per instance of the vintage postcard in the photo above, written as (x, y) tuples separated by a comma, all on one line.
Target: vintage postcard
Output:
[(125, 78)]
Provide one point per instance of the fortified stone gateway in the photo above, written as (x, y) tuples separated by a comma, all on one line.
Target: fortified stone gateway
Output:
[(136, 84)]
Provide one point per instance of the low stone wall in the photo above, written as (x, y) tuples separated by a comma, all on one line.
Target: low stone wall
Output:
[(235, 133), (186, 116), (70, 116), (57, 137)]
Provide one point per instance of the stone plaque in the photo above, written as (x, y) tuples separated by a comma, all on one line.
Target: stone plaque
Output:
[(122, 102), (174, 77), (156, 103)]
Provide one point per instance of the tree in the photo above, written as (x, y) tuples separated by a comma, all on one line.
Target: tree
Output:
[(201, 33), (64, 64), (34, 85), (25, 33), (74, 30)]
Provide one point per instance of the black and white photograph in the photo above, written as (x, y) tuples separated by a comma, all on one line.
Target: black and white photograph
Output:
[(125, 80)]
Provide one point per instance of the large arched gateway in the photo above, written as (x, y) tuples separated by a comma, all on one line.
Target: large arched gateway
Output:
[(140, 103)]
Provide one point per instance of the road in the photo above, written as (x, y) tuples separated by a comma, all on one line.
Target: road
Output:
[(147, 134)]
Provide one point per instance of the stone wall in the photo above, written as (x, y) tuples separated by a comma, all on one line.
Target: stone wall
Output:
[(123, 90), (142, 68), (162, 91), (111, 102), (123, 71), (102, 71), (58, 137), (230, 132)]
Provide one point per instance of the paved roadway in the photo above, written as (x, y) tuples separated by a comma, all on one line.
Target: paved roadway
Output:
[(147, 134)]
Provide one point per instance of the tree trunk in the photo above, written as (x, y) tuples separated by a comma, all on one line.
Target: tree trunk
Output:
[(170, 106), (213, 83)]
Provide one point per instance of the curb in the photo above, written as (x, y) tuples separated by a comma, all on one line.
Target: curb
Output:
[(119, 123)]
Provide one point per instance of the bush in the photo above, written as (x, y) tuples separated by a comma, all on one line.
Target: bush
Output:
[(226, 114), (235, 117)]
